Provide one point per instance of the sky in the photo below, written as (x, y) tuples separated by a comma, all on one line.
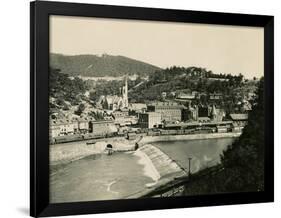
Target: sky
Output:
[(220, 48)]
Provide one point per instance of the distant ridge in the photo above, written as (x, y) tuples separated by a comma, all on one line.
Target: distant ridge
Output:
[(98, 66)]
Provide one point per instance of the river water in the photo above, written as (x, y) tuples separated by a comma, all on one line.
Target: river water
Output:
[(204, 153), (103, 177)]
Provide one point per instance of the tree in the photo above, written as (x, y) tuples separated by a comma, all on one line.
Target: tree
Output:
[(244, 159), (61, 86), (80, 109)]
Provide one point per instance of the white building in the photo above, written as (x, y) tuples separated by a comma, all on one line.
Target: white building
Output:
[(149, 119)]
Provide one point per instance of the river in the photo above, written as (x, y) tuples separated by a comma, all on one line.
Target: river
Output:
[(204, 153), (103, 177)]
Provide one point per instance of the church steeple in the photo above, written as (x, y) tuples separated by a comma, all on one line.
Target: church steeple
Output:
[(125, 93), (214, 112)]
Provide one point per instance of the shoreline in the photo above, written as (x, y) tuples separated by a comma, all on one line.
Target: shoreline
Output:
[(150, 139), (65, 153)]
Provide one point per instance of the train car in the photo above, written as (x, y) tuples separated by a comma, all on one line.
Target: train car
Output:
[(168, 132), (163, 132), (221, 129), (153, 133), (180, 132), (204, 131), (110, 134), (102, 135), (188, 131), (67, 138), (172, 132), (92, 136), (120, 134), (98, 136)]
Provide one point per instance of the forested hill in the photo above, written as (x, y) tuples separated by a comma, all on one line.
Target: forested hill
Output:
[(97, 66)]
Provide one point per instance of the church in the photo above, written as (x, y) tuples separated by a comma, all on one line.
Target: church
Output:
[(116, 102)]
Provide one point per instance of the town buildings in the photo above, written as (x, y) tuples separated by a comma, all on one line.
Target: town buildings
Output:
[(215, 96), (121, 117), (136, 108), (64, 127), (239, 119), (170, 111), (149, 119), (115, 102), (61, 127), (190, 113), (102, 128)]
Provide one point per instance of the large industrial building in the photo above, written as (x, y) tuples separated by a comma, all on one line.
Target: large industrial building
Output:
[(170, 111), (149, 119)]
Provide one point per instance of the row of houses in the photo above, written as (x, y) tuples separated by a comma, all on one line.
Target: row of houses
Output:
[(62, 127), (182, 96), (145, 116)]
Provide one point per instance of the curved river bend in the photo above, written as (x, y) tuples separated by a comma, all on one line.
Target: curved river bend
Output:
[(103, 177)]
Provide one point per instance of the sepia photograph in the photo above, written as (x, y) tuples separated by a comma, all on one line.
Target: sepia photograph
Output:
[(146, 109)]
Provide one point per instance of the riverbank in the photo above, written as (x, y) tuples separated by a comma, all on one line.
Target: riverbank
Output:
[(164, 138), (72, 151)]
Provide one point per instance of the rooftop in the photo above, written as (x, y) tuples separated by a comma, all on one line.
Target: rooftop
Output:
[(239, 116), (151, 113), (197, 124), (166, 105)]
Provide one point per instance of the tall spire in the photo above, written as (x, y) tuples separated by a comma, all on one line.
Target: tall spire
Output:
[(214, 112), (125, 93)]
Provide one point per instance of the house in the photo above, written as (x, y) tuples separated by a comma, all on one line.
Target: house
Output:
[(204, 119), (120, 113), (186, 96), (135, 108), (54, 129), (215, 96), (121, 117), (103, 127), (149, 119), (60, 127), (239, 119), (83, 125), (190, 113), (126, 121)]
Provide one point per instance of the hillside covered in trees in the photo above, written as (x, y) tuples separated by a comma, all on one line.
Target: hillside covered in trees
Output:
[(65, 90), (174, 79), (99, 66)]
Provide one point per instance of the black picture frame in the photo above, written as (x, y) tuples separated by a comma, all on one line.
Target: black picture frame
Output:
[(39, 139)]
